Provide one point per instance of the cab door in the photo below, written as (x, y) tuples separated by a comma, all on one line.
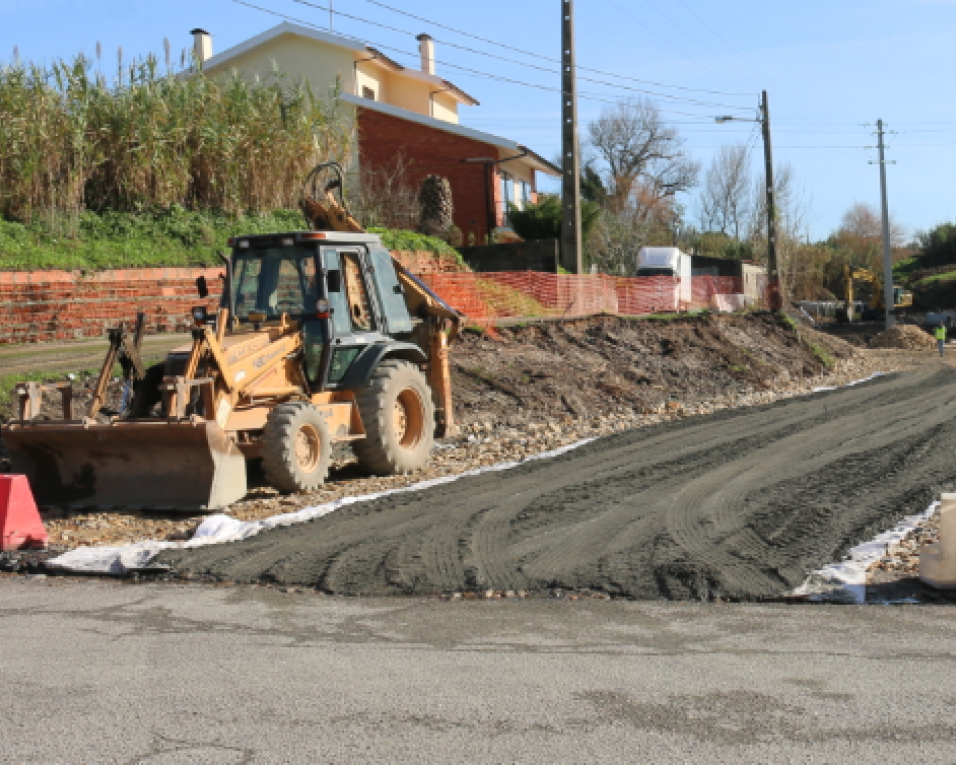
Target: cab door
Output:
[(356, 318)]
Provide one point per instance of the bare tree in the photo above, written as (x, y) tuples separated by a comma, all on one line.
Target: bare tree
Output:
[(617, 236), (726, 200), (861, 235), (645, 159), (793, 213), (386, 195)]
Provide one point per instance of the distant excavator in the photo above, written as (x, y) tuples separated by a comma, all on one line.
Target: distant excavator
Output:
[(321, 336), (873, 309)]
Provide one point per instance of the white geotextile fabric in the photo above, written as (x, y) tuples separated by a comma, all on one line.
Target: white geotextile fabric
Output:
[(850, 384), (846, 581), (220, 528)]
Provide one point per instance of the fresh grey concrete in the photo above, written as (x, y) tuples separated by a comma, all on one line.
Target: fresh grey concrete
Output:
[(97, 672)]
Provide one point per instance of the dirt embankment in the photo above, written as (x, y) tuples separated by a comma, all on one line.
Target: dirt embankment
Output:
[(605, 365), (740, 504)]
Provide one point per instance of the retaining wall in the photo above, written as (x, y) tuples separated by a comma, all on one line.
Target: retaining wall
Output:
[(539, 255), (43, 306)]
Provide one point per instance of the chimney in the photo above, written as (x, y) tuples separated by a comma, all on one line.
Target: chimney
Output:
[(426, 47), (202, 45)]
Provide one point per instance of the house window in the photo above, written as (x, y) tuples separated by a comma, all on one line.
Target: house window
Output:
[(368, 93), (507, 197), (524, 193)]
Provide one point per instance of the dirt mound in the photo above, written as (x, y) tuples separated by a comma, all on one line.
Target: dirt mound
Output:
[(904, 337), (740, 505), (607, 364)]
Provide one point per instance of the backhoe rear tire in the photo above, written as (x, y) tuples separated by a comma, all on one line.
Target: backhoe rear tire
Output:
[(296, 448), (399, 418)]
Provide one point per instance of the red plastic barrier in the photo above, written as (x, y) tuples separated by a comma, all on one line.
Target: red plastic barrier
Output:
[(20, 522)]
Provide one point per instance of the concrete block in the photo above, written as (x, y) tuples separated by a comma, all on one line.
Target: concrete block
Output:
[(937, 562)]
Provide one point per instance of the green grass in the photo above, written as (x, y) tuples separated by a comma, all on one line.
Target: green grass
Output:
[(8, 398), (8, 382), (412, 241), (667, 318), (929, 280), (821, 355), (786, 321), (904, 268), (158, 238), (498, 295)]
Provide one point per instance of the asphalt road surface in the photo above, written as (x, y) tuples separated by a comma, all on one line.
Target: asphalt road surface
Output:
[(166, 674), (740, 504)]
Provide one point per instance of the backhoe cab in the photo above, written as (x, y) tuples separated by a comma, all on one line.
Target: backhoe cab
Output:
[(321, 337)]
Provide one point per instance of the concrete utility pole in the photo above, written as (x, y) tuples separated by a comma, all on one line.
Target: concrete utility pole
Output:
[(773, 274), (888, 301), (570, 149)]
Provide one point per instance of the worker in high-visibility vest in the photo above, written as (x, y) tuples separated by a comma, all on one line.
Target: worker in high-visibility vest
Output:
[(941, 337)]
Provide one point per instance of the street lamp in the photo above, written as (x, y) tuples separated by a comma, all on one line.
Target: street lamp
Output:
[(773, 275)]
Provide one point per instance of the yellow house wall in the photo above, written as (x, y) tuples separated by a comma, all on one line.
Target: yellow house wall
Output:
[(444, 107), (407, 93), (296, 57)]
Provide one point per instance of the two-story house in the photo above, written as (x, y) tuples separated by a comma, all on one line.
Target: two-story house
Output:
[(398, 111)]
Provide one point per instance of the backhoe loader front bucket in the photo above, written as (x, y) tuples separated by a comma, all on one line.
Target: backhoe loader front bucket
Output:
[(133, 465)]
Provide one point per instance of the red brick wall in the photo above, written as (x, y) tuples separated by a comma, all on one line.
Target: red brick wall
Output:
[(42, 306), (38, 306), (382, 138)]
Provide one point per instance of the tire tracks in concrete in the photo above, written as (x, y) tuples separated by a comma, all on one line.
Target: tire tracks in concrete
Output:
[(739, 504)]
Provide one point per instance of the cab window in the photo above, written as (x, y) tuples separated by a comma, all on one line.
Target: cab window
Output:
[(275, 280)]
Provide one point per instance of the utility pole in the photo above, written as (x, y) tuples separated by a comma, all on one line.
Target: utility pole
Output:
[(774, 287), (888, 301), (570, 149), (330, 15)]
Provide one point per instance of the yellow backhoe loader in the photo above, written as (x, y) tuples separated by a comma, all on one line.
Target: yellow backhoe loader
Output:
[(321, 337), (873, 307)]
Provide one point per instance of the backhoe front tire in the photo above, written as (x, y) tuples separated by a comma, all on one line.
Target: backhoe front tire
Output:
[(296, 448), (399, 419)]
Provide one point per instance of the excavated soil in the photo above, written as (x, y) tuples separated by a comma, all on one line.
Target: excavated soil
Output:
[(739, 504), (592, 366)]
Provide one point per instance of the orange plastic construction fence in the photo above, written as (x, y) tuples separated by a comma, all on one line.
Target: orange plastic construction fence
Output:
[(486, 298)]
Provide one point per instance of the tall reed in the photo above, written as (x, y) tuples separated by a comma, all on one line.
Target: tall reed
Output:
[(71, 140)]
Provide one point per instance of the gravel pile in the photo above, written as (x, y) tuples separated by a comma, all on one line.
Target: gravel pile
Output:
[(904, 337)]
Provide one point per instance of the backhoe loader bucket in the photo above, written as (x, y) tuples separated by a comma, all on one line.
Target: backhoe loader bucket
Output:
[(132, 465)]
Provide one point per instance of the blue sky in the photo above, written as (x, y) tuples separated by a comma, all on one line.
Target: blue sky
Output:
[(829, 68)]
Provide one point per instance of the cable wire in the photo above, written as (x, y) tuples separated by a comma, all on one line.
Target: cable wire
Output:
[(467, 70), (548, 58), (528, 66)]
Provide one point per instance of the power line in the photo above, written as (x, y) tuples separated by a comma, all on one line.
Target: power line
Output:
[(717, 55), (753, 66), (548, 58), (512, 62), (468, 71)]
